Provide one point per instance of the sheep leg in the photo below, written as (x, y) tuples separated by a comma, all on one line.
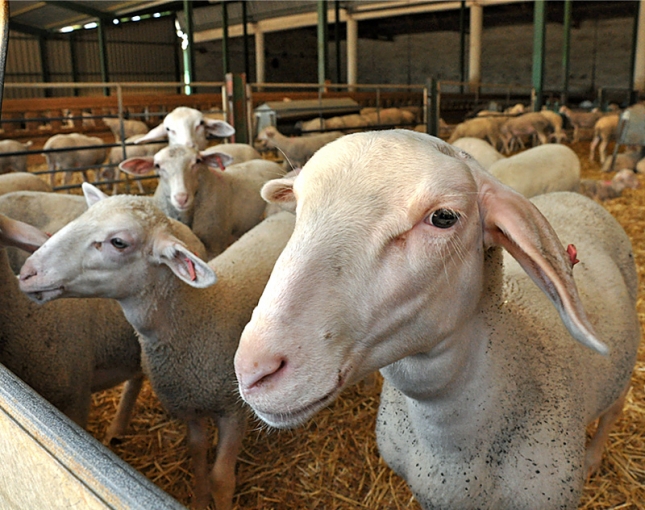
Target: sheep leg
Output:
[(198, 444), (124, 411), (606, 421), (602, 150), (231, 431), (592, 149)]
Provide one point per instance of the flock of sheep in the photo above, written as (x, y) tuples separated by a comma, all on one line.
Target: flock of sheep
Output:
[(214, 289)]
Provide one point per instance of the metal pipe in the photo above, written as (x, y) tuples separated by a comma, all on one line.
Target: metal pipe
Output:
[(225, 61), (352, 51), (539, 32), (189, 57), (474, 61), (639, 59), (103, 56), (566, 50), (246, 42), (322, 41), (337, 38)]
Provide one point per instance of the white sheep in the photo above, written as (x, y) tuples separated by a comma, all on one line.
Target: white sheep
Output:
[(556, 121), (483, 152), (239, 152), (68, 349), (70, 154), (624, 160), (189, 330), (17, 181), (527, 124), (397, 265), (130, 127), (132, 150), (486, 128), (296, 150), (17, 162), (188, 126), (366, 117), (542, 169), (580, 120), (604, 130), (218, 206), (604, 190)]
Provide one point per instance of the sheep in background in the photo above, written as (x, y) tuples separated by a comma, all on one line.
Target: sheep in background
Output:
[(296, 150), (486, 128), (75, 156), (130, 127), (580, 120), (187, 126), (556, 121), (487, 396), (516, 109), (624, 160), (188, 329), (527, 124), (17, 162), (604, 190), (17, 181), (239, 152), (483, 152), (218, 206), (366, 117), (539, 170), (69, 349), (604, 130)]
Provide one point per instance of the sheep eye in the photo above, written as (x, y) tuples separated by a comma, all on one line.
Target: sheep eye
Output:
[(443, 218), (118, 243), (157, 166)]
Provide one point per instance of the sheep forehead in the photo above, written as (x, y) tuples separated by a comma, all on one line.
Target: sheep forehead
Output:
[(177, 152), (392, 169), (183, 115), (124, 212)]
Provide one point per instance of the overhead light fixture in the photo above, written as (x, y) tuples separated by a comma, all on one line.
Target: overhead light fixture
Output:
[(89, 26), (156, 15), (115, 21), (65, 30), (135, 18)]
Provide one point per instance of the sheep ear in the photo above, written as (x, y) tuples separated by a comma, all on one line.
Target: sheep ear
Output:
[(280, 191), (92, 194), (187, 266), (21, 235), (156, 133), (513, 222), (215, 159), (219, 128), (138, 166)]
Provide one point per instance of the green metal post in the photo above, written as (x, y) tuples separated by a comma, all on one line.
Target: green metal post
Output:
[(225, 61), (189, 56), (337, 38), (103, 56), (322, 41), (462, 45), (44, 63), (236, 111), (246, 40), (539, 32), (566, 51)]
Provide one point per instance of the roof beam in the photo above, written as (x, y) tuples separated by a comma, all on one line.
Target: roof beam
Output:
[(82, 9), (28, 29)]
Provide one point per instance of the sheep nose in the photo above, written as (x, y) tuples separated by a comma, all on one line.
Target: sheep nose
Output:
[(256, 370), (27, 271), (181, 198)]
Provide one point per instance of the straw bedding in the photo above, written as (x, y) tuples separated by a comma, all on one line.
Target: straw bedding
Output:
[(333, 463)]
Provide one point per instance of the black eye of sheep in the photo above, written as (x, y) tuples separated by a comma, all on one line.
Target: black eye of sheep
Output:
[(443, 218), (118, 243)]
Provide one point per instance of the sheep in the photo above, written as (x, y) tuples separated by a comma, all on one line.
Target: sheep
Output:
[(483, 152), (218, 206), (486, 128), (22, 181), (603, 190), (604, 130), (188, 329), (527, 124), (542, 169), (296, 151), (580, 120), (366, 117), (131, 150), (486, 397), (624, 160), (74, 157), (130, 127), (68, 349), (17, 162), (187, 126), (240, 152), (557, 122)]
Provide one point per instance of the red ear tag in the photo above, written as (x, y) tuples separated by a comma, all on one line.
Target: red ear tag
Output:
[(219, 163), (191, 270), (571, 250)]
